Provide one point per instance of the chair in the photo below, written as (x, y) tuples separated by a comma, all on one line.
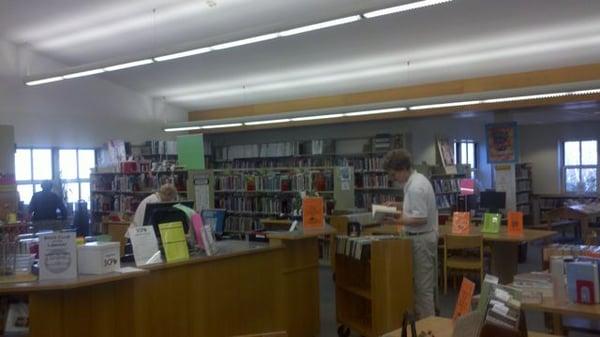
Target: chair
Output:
[(458, 244), (267, 334)]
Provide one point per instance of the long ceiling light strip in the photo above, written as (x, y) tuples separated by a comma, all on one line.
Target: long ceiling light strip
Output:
[(391, 110), (403, 8), (83, 73), (256, 39)]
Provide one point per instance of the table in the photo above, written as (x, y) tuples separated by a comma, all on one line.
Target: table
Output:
[(505, 248), (557, 310), (580, 212), (443, 327)]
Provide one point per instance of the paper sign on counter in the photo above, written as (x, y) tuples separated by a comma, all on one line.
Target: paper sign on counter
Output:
[(58, 256), (145, 245), (465, 296), (461, 223), (515, 223)]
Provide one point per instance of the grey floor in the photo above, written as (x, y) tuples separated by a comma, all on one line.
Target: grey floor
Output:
[(535, 320)]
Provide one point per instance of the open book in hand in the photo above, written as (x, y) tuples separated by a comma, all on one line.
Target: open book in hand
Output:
[(381, 211)]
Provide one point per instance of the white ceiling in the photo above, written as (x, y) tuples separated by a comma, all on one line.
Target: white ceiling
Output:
[(465, 38)]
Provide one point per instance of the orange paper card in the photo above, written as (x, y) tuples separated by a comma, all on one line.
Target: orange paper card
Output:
[(515, 223), (461, 223), (465, 296), (312, 212)]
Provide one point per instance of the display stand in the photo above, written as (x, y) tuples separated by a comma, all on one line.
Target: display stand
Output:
[(371, 293)]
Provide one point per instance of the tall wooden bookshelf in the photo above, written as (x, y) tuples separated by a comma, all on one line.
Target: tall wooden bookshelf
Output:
[(372, 293)]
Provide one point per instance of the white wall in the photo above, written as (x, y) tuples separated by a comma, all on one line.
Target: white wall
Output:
[(422, 133), (540, 146), (82, 112)]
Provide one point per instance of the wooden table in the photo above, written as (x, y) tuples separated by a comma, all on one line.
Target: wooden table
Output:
[(583, 213), (443, 327), (557, 310), (301, 278), (237, 291), (505, 248)]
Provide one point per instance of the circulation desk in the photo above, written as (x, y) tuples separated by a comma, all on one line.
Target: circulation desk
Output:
[(236, 292)]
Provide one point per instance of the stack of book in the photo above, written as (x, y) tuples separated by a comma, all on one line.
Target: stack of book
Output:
[(504, 308), (571, 250), (535, 286)]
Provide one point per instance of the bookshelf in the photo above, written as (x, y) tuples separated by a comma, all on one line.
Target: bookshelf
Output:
[(120, 193), (524, 186), (374, 286)]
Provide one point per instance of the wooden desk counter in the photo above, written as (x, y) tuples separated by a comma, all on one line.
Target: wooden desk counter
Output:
[(443, 327), (559, 309), (237, 292), (301, 278)]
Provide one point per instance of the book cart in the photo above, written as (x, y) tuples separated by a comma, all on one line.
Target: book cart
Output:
[(373, 283)]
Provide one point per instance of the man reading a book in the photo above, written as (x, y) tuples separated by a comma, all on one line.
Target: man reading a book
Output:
[(419, 219)]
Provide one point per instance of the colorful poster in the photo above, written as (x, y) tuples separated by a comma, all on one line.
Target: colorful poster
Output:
[(446, 155), (491, 223), (502, 143), (312, 212), (515, 223), (465, 296), (461, 223)]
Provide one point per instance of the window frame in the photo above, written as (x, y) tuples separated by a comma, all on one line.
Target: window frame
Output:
[(77, 180), (564, 166), (458, 152), (34, 182)]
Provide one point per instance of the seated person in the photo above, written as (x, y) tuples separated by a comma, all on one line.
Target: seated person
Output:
[(166, 193)]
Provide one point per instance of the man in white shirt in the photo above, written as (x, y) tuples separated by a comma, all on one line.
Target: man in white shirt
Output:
[(419, 219), (166, 193)]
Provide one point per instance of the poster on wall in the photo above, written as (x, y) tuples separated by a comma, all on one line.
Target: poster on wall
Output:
[(502, 143), (446, 155)]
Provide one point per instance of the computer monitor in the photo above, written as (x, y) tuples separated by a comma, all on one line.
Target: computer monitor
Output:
[(492, 201), (163, 212)]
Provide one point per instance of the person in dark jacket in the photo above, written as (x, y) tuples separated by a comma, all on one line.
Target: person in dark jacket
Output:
[(43, 204)]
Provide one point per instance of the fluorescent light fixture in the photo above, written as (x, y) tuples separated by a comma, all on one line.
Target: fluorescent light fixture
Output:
[(129, 65), (586, 92), (242, 42), (220, 126), (320, 25), (374, 112), (182, 54), (83, 73), (312, 118), (404, 8), (444, 105), (183, 128), (524, 98), (44, 81), (271, 121)]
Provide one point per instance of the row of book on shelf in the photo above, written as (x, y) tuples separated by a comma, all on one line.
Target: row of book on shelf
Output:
[(523, 185), (300, 162), (371, 180), (115, 203), (137, 182), (279, 149), (315, 180), (358, 248), (446, 185), (446, 201), (260, 204)]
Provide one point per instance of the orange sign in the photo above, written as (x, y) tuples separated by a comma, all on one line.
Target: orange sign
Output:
[(515, 223), (461, 223), (312, 212), (465, 296)]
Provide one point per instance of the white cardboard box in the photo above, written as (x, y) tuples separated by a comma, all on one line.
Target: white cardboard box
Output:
[(98, 257)]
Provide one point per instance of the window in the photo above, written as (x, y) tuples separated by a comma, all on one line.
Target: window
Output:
[(465, 153), (32, 166), (75, 166), (580, 166)]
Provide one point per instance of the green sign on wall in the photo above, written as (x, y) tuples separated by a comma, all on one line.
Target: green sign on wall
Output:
[(190, 151)]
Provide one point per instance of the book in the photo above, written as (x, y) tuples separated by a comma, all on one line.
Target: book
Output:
[(145, 245), (515, 223), (461, 223), (313, 210), (173, 241), (465, 296), (582, 282), (491, 223), (489, 282), (380, 211)]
